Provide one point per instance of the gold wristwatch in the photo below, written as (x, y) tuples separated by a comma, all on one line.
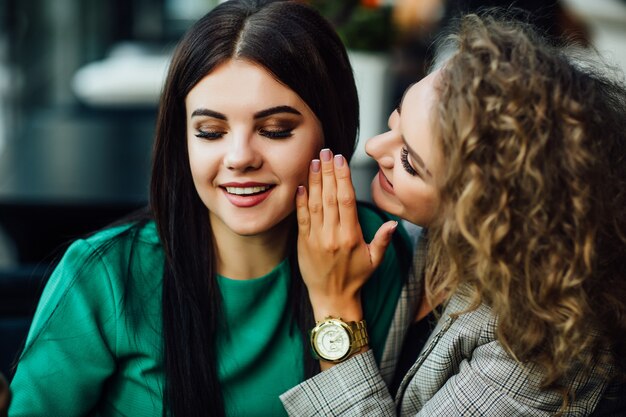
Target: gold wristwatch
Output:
[(334, 340)]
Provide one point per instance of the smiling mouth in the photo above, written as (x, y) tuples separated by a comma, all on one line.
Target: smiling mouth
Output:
[(246, 191), (385, 184)]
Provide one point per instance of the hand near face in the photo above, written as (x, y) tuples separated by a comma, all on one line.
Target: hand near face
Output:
[(335, 261), (5, 396)]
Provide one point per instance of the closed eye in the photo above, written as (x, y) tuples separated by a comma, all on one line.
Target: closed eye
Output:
[(404, 159), (276, 133), (210, 135)]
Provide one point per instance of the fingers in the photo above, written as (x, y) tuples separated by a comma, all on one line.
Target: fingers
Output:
[(302, 212), (381, 240), (331, 196), (329, 189), (315, 195), (346, 198)]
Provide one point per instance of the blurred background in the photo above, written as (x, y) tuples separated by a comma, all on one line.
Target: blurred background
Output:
[(79, 87)]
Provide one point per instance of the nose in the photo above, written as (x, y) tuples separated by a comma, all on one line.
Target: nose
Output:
[(381, 148), (241, 154)]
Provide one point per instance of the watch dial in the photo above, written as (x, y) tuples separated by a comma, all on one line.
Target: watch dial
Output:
[(333, 342)]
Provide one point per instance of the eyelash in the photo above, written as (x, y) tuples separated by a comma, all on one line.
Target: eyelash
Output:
[(404, 158), (271, 134), (209, 135), (276, 134)]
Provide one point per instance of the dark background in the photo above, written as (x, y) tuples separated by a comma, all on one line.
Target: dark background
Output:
[(68, 167)]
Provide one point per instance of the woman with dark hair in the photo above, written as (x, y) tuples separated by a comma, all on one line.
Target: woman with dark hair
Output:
[(198, 308), (512, 156)]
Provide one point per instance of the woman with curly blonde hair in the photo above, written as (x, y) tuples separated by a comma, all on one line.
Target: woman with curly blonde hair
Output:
[(513, 158)]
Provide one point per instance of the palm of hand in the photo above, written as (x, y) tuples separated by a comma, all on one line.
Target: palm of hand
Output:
[(334, 259)]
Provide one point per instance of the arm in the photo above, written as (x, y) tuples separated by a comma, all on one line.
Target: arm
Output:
[(68, 354), (353, 388), (334, 259), (335, 262)]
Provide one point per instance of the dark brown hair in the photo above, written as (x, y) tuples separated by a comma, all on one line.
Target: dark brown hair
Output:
[(295, 44)]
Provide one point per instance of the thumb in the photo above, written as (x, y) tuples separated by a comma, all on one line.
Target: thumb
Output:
[(381, 240)]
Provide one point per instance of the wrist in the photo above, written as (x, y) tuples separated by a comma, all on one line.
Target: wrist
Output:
[(348, 309)]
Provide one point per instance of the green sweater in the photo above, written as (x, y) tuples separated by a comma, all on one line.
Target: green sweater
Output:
[(95, 344)]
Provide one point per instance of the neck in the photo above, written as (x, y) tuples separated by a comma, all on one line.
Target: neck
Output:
[(248, 257)]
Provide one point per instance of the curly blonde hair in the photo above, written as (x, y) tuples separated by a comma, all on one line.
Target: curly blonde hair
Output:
[(533, 196)]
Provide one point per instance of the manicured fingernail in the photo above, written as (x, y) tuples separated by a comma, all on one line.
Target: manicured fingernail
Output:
[(325, 155), (339, 160), (300, 189), (393, 228), (315, 165)]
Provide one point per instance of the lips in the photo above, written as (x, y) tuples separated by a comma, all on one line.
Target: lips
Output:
[(247, 194), (384, 182)]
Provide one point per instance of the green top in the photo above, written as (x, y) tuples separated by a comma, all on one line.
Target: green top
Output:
[(95, 346)]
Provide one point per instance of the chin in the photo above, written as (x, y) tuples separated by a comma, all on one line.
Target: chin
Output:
[(254, 227), (382, 202), (251, 230)]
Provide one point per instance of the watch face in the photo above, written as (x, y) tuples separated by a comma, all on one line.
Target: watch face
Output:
[(332, 341)]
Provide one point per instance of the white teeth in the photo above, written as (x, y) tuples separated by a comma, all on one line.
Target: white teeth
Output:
[(247, 190)]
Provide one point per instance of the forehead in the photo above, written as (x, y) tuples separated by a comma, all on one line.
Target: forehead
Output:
[(421, 95), (417, 121), (243, 82)]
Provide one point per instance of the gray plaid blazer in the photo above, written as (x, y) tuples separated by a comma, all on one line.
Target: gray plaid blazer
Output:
[(461, 371)]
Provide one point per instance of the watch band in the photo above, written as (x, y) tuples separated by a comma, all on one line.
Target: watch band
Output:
[(359, 331)]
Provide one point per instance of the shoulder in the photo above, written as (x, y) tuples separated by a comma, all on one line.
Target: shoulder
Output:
[(122, 242), (107, 258), (134, 232), (477, 324)]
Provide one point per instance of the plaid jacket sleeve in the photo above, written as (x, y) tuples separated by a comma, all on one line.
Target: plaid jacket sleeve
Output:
[(354, 388)]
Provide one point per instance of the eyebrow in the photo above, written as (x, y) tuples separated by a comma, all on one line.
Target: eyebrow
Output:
[(210, 113), (274, 110), (416, 157), (258, 115)]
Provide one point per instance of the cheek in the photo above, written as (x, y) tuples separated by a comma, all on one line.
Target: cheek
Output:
[(297, 167), (297, 160), (203, 161), (420, 203), (193, 156)]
